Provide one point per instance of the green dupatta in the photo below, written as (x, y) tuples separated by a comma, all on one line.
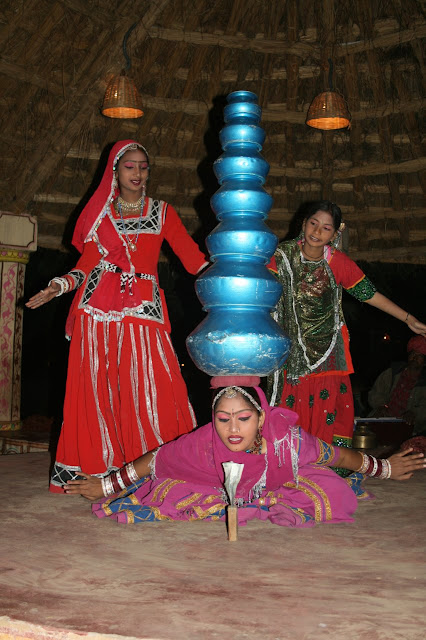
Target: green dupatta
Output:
[(310, 311)]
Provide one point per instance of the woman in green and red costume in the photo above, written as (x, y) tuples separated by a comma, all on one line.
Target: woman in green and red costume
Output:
[(314, 381)]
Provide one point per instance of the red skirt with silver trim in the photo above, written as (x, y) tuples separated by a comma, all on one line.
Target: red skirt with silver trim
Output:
[(125, 395)]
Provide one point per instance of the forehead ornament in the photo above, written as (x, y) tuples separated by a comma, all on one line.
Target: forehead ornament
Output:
[(129, 147), (231, 392)]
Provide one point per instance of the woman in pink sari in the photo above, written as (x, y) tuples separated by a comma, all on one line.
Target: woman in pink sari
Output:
[(286, 476)]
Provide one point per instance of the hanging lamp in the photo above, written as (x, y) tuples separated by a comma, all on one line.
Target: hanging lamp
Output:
[(328, 110), (122, 99)]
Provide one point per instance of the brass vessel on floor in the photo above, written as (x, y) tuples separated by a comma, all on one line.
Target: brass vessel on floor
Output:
[(363, 438)]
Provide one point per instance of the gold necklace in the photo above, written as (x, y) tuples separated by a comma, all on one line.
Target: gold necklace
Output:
[(130, 206)]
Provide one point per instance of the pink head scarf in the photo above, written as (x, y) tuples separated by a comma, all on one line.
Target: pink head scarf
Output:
[(197, 457)]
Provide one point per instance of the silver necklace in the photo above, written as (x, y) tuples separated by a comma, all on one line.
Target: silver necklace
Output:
[(131, 242)]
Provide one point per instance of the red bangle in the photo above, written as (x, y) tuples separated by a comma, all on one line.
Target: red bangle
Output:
[(379, 469), (70, 281), (370, 466), (125, 477), (115, 484)]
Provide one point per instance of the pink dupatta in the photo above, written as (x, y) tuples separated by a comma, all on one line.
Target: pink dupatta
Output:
[(197, 457)]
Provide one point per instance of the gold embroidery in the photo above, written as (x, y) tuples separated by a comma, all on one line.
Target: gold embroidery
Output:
[(322, 493), (106, 509), (158, 515), (321, 453), (184, 503), (326, 454), (211, 498), (163, 485), (201, 514), (172, 484), (315, 499), (158, 489)]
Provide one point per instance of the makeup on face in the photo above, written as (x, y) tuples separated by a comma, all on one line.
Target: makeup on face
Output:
[(132, 174), (236, 423)]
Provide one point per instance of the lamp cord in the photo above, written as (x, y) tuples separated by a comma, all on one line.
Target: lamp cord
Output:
[(330, 74), (126, 36)]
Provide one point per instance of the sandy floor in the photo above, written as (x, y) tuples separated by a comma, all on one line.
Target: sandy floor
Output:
[(65, 574)]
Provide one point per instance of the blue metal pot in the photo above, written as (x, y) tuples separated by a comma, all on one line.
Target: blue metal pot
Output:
[(238, 335)]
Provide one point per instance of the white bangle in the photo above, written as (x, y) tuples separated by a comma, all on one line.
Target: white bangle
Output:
[(364, 465), (131, 472), (107, 488), (120, 480), (386, 469), (62, 283)]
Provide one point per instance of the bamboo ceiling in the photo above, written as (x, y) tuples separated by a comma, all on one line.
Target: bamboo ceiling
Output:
[(57, 57)]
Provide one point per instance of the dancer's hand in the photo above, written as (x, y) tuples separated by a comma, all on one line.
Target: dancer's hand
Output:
[(416, 326), (89, 487), (43, 296), (403, 464)]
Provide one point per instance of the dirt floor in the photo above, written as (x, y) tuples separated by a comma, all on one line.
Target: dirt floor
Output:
[(65, 575)]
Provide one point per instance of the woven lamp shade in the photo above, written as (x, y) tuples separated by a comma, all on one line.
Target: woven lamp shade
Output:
[(122, 99), (328, 111)]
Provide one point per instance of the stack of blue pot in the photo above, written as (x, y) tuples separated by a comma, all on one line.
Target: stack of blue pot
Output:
[(238, 335)]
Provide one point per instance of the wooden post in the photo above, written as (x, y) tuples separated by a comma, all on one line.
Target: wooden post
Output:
[(232, 513), (18, 236)]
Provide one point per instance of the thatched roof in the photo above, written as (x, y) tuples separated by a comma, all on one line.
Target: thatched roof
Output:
[(57, 56)]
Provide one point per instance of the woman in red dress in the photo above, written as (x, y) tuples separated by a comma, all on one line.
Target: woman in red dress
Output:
[(125, 394)]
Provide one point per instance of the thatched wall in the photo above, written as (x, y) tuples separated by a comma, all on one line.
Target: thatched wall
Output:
[(57, 57)]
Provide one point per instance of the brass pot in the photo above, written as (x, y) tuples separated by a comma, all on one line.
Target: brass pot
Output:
[(363, 438)]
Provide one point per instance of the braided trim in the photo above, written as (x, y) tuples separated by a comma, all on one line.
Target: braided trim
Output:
[(243, 393)]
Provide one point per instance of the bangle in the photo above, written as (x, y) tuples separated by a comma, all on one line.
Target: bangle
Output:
[(114, 482), (107, 488), (374, 468), (129, 474), (64, 285), (386, 471), (119, 480), (364, 464), (406, 317)]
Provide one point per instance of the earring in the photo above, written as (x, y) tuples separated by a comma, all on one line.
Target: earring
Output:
[(336, 241)]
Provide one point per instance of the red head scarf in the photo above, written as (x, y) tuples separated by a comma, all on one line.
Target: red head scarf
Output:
[(101, 200), (418, 344)]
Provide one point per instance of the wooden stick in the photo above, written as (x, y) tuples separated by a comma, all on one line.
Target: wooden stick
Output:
[(232, 523)]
